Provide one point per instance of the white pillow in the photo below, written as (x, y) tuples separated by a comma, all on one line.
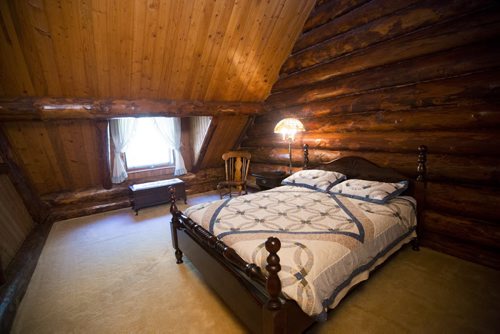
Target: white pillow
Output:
[(372, 191), (314, 179)]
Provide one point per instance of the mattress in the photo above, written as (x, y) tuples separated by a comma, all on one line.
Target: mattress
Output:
[(328, 242)]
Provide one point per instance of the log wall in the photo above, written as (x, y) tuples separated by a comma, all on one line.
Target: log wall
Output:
[(379, 78)]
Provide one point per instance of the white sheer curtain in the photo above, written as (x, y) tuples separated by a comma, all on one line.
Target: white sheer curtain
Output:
[(122, 130), (170, 129)]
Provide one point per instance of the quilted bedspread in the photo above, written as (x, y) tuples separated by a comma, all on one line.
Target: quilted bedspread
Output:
[(327, 240)]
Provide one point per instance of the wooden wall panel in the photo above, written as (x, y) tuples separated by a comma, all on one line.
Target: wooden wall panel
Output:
[(15, 221), (224, 138), (380, 83), (56, 156), (191, 50), (199, 128), (13, 63)]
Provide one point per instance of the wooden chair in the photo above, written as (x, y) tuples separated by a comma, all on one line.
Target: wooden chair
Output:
[(237, 164)]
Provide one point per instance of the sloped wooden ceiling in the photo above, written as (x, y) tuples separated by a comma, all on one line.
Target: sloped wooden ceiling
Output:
[(208, 50)]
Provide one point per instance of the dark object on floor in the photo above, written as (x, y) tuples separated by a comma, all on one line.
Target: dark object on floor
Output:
[(269, 180), (156, 193)]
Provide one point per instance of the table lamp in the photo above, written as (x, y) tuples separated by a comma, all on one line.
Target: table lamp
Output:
[(288, 127)]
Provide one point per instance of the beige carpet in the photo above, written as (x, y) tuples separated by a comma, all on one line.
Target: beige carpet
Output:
[(116, 273)]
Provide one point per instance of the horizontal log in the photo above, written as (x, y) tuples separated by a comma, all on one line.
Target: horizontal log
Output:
[(86, 209), (101, 195), (330, 10), (466, 59), (467, 201), (86, 195), (197, 188), (442, 36), (269, 167), (462, 249), (434, 118), (473, 170), (204, 175), (19, 272), (450, 142), (469, 89), (363, 14), (65, 108), (481, 233), (422, 14)]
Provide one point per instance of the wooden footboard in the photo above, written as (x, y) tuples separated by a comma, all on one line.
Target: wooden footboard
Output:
[(255, 299)]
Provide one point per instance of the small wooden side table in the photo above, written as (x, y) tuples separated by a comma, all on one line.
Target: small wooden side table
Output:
[(269, 180), (155, 193)]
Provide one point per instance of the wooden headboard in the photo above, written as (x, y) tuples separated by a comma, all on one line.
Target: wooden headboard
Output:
[(360, 168)]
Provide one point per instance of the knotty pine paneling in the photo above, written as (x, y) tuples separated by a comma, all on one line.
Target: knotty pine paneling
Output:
[(15, 221), (199, 127), (181, 50), (56, 156), (380, 83), (224, 138)]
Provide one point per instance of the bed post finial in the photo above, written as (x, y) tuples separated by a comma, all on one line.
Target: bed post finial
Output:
[(306, 156), (173, 207), (273, 266), (420, 187), (422, 159)]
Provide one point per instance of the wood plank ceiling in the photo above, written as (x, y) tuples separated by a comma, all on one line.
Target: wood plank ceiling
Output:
[(208, 50)]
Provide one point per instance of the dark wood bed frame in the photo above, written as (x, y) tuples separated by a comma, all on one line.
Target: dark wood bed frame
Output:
[(255, 299)]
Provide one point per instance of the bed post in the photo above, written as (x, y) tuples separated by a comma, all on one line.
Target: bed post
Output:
[(420, 190), (274, 315), (306, 156), (174, 225), (273, 266)]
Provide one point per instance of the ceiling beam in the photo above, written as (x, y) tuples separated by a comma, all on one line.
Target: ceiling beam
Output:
[(45, 108)]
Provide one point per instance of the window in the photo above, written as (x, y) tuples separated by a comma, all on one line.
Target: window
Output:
[(145, 143), (147, 147)]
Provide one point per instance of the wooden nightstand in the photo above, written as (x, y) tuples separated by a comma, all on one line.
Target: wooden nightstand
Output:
[(269, 180)]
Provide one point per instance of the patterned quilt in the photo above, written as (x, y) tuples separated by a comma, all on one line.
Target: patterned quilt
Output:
[(326, 240)]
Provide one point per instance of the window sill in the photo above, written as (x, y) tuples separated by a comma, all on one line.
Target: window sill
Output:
[(159, 168), (151, 173)]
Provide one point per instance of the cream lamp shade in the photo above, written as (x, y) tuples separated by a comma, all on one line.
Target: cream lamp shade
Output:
[(288, 127)]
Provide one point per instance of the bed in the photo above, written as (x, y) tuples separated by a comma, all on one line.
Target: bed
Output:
[(281, 258)]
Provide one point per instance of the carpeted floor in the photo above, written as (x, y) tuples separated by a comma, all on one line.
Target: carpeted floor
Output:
[(116, 273)]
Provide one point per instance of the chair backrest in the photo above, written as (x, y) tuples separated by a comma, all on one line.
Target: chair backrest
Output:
[(237, 164)]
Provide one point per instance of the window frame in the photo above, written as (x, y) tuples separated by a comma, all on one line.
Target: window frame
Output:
[(147, 168)]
